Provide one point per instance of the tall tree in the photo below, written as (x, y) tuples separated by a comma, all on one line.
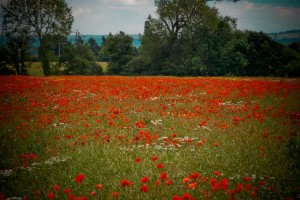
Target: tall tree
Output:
[(119, 50), (43, 17), (18, 40), (170, 41)]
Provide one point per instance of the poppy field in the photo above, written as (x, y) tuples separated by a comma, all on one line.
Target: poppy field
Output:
[(164, 138)]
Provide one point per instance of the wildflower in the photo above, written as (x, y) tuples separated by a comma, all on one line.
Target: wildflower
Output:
[(174, 135), (125, 183), (79, 178), (144, 188), (186, 180), (176, 198), (192, 185), (195, 175), (81, 198), (145, 179), (115, 194), (51, 195), (217, 173), (169, 182), (199, 143), (224, 183), (216, 144), (159, 166), (247, 178), (56, 187), (99, 186), (93, 193), (154, 158), (248, 187), (68, 136), (261, 148), (261, 182), (37, 193), (163, 176), (157, 183), (187, 196), (235, 120), (67, 190), (214, 183), (253, 194), (137, 160)]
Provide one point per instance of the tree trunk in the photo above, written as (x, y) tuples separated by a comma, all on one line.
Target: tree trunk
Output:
[(44, 58)]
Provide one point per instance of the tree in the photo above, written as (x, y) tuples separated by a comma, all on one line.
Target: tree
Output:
[(170, 43), (78, 60), (119, 50), (264, 54), (18, 41), (234, 55), (94, 46), (43, 17)]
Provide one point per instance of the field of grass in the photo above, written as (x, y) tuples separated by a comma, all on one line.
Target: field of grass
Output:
[(149, 138), (35, 68)]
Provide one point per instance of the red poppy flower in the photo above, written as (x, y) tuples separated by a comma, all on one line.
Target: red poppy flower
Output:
[(186, 180), (224, 183), (2, 197), (217, 173), (144, 188), (51, 195), (187, 196), (176, 198), (159, 166), (195, 175), (137, 160), (154, 158), (163, 176), (93, 193), (261, 182), (169, 182), (56, 187), (125, 183), (67, 190), (216, 144), (79, 178), (145, 179), (115, 194), (37, 193), (157, 183), (99, 186), (192, 185), (247, 178)]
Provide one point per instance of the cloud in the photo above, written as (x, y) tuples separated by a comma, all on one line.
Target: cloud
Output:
[(262, 16), (81, 11), (125, 2)]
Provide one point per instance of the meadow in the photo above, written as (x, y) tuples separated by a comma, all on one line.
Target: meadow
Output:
[(164, 138)]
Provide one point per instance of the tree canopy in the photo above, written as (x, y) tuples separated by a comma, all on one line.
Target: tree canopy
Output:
[(42, 18)]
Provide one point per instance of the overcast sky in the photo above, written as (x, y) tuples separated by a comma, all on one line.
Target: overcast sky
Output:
[(105, 16)]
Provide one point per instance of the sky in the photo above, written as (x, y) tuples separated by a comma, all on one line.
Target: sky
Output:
[(100, 17)]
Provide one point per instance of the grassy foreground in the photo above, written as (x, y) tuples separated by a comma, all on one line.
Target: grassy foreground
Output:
[(149, 138)]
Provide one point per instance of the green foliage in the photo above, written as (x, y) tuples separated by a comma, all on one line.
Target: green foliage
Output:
[(119, 50), (93, 46), (78, 60), (190, 38), (42, 18)]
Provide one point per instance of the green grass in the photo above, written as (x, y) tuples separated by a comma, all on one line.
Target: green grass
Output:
[(35, 68), (98, 126)]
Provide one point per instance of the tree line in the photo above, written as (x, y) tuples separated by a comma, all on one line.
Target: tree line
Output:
[(188, 38)]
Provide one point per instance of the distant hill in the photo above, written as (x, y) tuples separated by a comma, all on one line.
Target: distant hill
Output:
[(286, 37)]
